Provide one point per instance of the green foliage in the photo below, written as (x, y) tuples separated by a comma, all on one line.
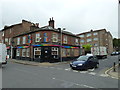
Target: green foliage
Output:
[(87, 47), (116, 42)]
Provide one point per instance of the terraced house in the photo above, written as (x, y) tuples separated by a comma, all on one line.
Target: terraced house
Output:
[(9, 32), (46, 44)]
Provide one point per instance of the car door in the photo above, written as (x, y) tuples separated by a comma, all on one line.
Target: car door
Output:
[(91, 62)]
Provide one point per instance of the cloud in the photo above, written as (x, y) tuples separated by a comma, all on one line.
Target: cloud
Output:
[(75, 15)]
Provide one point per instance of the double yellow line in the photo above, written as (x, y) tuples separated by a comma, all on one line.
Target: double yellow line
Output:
[(106, 72)]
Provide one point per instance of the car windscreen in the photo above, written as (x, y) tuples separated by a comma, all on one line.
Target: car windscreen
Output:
[(83, 58)]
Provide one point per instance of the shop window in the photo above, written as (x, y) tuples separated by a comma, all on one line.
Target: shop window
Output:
[(23, 52), (54, 50), (68, 52), (72, 52), (76, 52), (28, 52), (18, 52), (37, 52), (63, 52), (55, 37)]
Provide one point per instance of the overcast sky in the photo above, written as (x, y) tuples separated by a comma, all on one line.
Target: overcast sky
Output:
[(76, 16)]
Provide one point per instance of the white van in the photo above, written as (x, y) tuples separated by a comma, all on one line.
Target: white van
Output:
[(3, 54)]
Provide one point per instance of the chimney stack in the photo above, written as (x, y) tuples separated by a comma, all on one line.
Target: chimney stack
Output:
[(51, 22)]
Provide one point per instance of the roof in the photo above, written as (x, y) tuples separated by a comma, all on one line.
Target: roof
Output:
[(47, 28), (92, 31)]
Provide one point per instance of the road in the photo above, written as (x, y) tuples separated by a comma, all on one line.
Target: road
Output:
[(59, 76)]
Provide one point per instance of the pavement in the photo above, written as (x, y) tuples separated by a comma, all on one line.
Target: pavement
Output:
[(113, 74), (33, 63)]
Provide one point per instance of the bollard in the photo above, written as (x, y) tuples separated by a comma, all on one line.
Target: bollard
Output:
[(114, 67)]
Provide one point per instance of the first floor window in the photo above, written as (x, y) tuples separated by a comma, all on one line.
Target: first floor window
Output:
[(18, 41), (28, 52), (23, 52), (9, 41), (18, 52), (37, 52), (24, 39)]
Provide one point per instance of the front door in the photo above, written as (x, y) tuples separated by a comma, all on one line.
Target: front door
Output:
[(45, 55), (14, 53)]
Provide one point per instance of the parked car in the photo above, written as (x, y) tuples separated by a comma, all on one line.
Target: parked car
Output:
[(85, 62), (115, 53), (3, 54)]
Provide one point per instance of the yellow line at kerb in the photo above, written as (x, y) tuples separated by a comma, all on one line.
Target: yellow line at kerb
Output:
[(106, 72)]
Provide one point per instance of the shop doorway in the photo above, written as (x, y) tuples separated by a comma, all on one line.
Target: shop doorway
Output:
[(46, 54)]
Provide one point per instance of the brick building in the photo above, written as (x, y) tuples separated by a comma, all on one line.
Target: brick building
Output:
[(97, 38), (10, 31), (29, 42)]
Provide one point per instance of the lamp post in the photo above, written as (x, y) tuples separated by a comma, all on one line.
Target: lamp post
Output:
[(12, 42), (61, 46), (61, 43)]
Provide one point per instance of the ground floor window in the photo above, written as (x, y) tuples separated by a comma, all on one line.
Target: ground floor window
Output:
[(37, 52), (18, 52), (23, 52), (76, 52), (54, 50), (72, 52), (28, 52), (63, 52), (68, 52)]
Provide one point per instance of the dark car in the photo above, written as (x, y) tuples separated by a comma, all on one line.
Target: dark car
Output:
[(115, 53), (84, 63)]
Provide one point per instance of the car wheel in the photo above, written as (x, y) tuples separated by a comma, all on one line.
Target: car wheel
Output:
[(97, 65)]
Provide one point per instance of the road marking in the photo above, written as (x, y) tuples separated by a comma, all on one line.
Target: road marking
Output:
[(83, 71), (104, 75), (68, 69), (92, 73), (75, 71), (82, 85)]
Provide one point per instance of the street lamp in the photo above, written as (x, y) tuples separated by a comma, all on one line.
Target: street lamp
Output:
[(61, 43), (12, 42)]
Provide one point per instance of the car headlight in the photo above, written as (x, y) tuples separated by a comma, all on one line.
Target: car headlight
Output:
[(80, 64), (70, 62)]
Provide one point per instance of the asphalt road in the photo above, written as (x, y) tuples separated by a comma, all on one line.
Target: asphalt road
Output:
[(60, 76)]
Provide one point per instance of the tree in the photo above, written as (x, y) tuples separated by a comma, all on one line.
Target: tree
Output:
[(116, 44), (87, 48)]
